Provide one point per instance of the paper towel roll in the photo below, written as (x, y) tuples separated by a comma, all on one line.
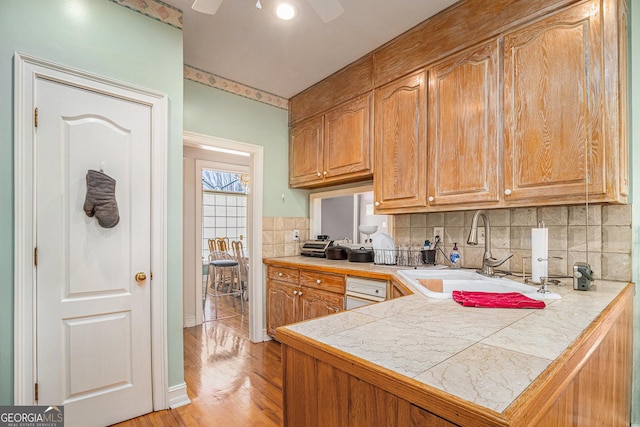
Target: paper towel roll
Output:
[(539, 250)]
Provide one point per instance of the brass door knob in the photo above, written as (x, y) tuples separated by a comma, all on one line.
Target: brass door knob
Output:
[(141, 277)]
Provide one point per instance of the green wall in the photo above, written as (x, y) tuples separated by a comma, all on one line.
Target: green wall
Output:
[(221, 114), (104, 38), (634, 122)]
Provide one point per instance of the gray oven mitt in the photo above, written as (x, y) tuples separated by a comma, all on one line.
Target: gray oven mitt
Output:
[(101, 199)]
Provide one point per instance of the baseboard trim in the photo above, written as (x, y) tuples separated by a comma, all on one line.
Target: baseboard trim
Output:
[(178, 396), (265, 336), (189, 322)]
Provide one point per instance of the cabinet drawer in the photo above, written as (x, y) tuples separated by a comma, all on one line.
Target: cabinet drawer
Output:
[(327, 282), (283, 274)]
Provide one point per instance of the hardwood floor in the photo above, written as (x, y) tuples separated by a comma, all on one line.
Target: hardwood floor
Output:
[(230, 380)]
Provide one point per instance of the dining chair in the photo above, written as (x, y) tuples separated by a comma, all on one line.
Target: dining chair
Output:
[(212, 245), (222, 244), (243, 266), (223, 271)]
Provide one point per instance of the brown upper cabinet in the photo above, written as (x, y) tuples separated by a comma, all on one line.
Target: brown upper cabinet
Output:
[(464, 101), (332, 148), (306, 152), (400, 181), (487, 104), (559, 131)]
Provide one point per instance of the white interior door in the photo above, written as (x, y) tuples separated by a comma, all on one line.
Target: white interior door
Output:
[(92, 316)]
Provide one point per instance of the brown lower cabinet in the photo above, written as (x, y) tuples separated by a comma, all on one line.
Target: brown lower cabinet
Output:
[(294, 295), (587, 385), (318, 394)]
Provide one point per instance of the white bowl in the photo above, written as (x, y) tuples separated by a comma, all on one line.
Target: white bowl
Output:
[(368, 229)]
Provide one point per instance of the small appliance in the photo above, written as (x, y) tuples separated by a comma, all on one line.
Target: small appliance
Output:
[(315, 248), (582, 276)]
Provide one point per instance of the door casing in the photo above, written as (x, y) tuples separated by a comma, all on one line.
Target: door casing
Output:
[(27, 69), (257, 328)]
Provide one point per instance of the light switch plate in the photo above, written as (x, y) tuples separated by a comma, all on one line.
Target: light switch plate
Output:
[(296, 235)]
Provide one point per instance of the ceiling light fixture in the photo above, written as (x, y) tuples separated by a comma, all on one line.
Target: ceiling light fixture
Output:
[(328, 10), (209, 7), (285, 11)]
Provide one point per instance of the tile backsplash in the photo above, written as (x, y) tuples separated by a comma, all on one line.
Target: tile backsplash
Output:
[(277, 235), (606, 238)]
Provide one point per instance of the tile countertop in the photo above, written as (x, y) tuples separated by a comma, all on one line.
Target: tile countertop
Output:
[(485, 356)]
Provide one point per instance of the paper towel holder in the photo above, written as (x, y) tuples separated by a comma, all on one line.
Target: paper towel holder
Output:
[(547, 259)]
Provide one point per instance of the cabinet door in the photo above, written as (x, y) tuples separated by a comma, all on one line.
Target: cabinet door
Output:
[(305, 152), (463, 128), (347, 144), (315, 303), (553, 106), (400, 181), (282, 301)]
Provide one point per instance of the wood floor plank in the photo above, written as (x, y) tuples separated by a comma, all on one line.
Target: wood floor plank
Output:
[(230, 380)]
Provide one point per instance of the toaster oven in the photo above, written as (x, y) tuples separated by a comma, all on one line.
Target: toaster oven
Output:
[(315, 248)]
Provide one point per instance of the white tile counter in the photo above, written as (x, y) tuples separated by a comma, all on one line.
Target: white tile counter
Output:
[(485, 356)]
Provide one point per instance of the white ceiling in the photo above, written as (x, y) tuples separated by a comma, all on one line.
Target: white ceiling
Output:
[(255, 48)]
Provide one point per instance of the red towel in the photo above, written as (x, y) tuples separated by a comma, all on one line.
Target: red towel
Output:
[(495, 300)]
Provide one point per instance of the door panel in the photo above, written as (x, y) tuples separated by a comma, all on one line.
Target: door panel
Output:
[(553, 103), (85, 353), (84, 138), (400, 181), (463, 128), (93, 318), (282, 305), (306, 152), (318, 303), (347, 139)]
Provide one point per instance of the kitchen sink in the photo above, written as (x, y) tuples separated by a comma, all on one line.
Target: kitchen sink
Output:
[(440, 283)]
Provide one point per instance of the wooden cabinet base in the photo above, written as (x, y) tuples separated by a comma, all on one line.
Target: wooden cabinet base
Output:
[(588, 384)]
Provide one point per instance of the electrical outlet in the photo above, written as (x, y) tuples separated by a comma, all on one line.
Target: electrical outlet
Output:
[(296, 235), (438, 231)]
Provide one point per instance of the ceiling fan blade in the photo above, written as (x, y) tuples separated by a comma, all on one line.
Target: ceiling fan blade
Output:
[(206, 6), (327, 9)]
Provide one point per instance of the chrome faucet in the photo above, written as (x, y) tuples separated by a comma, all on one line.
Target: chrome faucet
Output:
[(488, 261)]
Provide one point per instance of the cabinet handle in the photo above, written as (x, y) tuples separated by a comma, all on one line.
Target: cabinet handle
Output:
[(295, 292), (431, 198), (507, 192), (279, 274), (377, 203), (318, 281), (319, 174), (300, 293), (324, 173)]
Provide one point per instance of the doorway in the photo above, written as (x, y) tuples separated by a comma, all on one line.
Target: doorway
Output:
[(222, 228), (192, 214)]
